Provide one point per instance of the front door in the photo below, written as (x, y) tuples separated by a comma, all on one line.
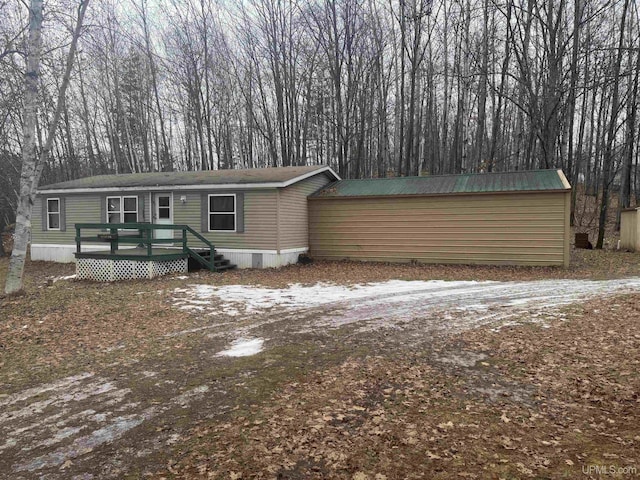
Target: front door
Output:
[(163, 214)]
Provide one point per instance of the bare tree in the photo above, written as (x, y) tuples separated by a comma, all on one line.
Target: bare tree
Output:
[(608, 159), (370, 87), (32, 163)]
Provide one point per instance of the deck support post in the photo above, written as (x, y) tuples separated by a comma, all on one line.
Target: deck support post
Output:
[(149, 246), (78, 241), (184, 241), (113, 243)]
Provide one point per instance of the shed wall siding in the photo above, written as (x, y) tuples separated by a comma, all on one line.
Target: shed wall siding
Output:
[(294, 212), (518, 229), (630, 230)]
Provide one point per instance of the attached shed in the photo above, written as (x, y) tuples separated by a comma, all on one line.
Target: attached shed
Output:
[(630, 229), (512, 218)]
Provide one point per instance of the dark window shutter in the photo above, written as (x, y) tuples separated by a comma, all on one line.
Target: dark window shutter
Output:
[(63, 214), (141, 212), (43, 201), (240, 212), (103, 209), (204, 213)]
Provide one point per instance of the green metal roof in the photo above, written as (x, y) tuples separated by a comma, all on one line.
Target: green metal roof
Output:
[(534, 180), (276, 175)]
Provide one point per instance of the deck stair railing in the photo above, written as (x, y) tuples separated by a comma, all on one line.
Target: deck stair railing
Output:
[(141, 235)]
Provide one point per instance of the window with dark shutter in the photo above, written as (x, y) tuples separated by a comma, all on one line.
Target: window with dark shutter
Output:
[(53, 214), (222, 213)]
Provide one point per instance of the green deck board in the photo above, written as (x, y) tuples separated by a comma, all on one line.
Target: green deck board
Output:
[(137, 254)]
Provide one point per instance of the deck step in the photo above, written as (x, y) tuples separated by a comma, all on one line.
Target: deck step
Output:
[(219, 262), (229, 266)]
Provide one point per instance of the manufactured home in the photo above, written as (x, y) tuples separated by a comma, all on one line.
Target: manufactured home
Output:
[(254, 217)]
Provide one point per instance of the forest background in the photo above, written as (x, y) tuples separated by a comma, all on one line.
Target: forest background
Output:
[(372, 88)]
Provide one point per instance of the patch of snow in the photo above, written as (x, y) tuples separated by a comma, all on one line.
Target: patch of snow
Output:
[(9, 443), (476, 307), (68, 277), (442, 305), (99, 417), (195, 302), (173, 439), (75, 394), (192, 307), (196, 329), (59, 436), (243, 347), (37, 391), (249, 299), (82, 444), (461, 359)]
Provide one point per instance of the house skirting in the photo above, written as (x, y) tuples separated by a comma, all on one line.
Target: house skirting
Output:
[(261, 258), (243, 258), (60, 253)]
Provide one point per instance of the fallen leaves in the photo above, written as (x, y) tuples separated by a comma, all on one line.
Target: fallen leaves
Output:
[(406, 416), (392, 415)]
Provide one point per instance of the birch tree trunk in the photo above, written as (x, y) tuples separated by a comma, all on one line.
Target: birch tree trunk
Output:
[(23, 215), (32, 165)]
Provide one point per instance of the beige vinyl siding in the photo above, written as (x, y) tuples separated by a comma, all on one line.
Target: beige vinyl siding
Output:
[(80, 208), (519, 229), (260, 220), (294, 213), (630, 230), (260, 232)]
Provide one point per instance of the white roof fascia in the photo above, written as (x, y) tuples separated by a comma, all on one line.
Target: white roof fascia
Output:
[(563, 179)]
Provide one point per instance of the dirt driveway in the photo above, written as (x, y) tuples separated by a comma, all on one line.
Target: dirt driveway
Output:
[(133, 416)]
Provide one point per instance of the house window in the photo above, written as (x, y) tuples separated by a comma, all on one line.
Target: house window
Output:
[(53, 214), (122, 209), (222, 213)]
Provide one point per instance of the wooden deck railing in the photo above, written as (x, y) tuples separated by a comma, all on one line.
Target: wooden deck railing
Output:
[(142, 234)]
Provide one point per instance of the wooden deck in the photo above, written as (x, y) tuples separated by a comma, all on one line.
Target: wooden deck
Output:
[(146, 248)]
